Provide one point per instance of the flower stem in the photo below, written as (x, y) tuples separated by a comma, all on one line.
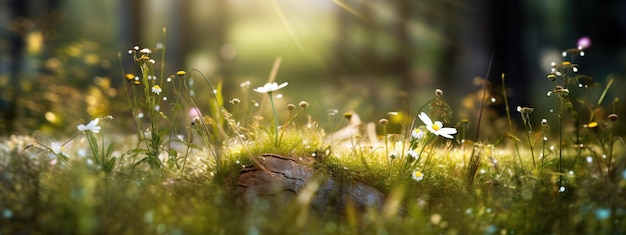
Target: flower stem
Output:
[(508, 117), (275, 120)]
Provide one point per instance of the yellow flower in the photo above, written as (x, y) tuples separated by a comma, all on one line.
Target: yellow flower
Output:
[(129, 76)]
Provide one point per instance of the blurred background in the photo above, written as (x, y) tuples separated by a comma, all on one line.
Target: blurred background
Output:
[(60, 63)]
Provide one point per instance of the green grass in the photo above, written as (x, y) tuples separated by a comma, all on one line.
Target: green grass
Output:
[(42, 198), (175, 174)]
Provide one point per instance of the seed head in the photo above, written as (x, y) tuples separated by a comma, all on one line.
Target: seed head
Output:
[(347, 115), (303, 104), (235, 101), (383, 121), (438, 92), (551, 76), (291, 107)]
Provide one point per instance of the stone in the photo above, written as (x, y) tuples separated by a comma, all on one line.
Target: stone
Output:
[(279, 179)]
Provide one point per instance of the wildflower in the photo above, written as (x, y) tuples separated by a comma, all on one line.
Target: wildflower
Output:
[(156, 89), (145, 51), (438, 92), (383, 121), (58, 149), (412, 153), (560, 89), (91, 126), (181, 73), (417, 175), (235, 101), (417, 134), (437, 127), (291, 107), (583, 43), (195, 120), (129, 76), (347, 115), (613, 117), (303, 104), (194, 112), (592, 125), (270, 87)]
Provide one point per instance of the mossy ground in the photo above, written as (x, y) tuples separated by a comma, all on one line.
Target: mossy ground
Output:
[(38, 197)]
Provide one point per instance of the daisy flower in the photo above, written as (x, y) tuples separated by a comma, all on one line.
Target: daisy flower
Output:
[(417, 175), (270, 87), (414, 154), (418, 133), (156, 89), (145, 51), (437, 127), (58, 148), (91, 126)]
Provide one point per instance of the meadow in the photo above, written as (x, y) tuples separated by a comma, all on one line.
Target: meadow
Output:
[(178, 169)]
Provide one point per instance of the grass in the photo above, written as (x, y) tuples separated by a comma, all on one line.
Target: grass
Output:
[(173, 175)]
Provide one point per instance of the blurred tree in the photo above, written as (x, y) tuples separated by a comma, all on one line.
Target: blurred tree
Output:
[(15, 30)]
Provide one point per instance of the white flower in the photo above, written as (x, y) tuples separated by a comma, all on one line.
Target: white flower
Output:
[(145, 51), (270, 87), (413, 154), (58, 149), (417, 175), (437, 127), (91, 126), (156, 89), (418, 133)]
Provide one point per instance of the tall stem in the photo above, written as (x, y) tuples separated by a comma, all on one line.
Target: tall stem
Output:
[(275, 120), (508, 116)]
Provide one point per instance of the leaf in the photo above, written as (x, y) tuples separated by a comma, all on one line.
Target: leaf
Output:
[(109, 151), (93, 144), (508, 134), (110, 164)]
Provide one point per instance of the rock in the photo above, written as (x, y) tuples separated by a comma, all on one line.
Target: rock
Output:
[(280, 179)]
